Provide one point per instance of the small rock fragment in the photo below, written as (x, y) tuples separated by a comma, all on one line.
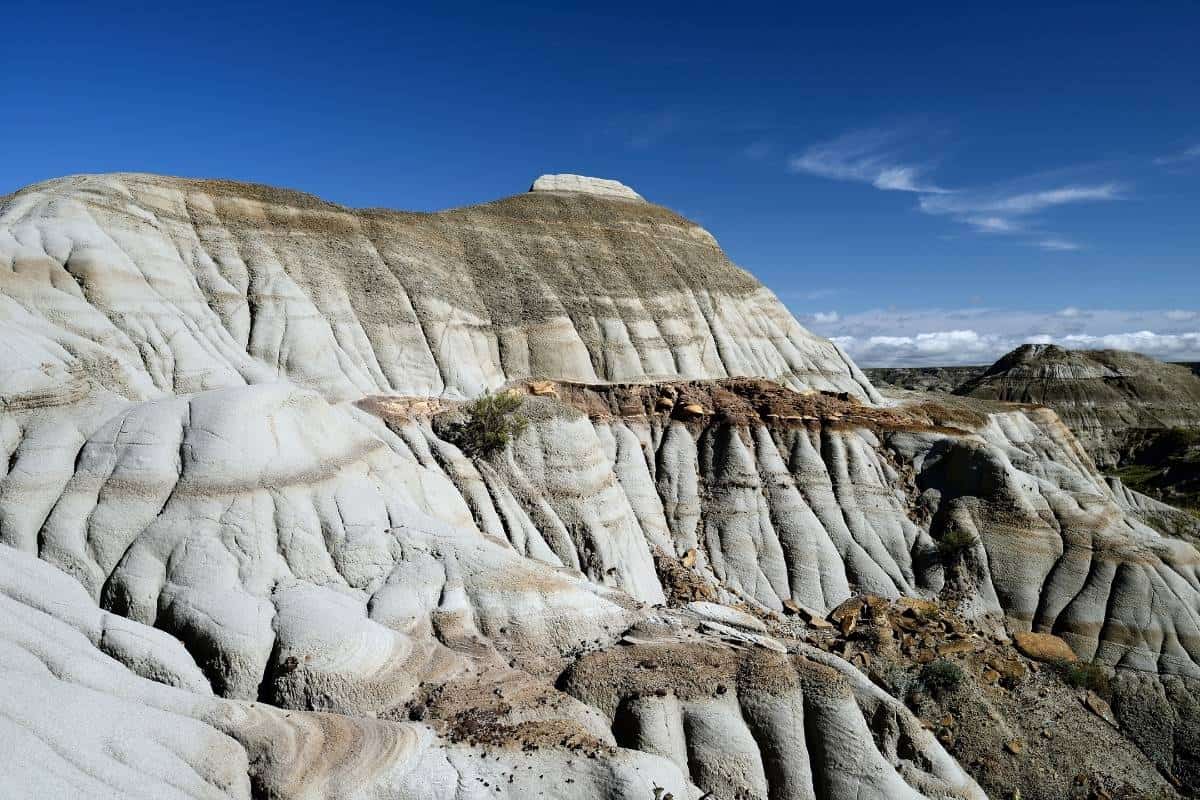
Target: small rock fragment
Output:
[(1096, 704), (543, 389)]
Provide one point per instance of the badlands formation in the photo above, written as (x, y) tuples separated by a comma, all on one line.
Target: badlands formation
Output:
[(241, 555), (1138, 418), (923, 379), (1113, 400)]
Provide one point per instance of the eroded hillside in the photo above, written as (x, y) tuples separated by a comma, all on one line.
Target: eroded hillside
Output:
[(242, 555)]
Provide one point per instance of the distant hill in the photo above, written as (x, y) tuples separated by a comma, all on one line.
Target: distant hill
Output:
[(1114, 400), (924, 379), (947, 379), (1137, 417)]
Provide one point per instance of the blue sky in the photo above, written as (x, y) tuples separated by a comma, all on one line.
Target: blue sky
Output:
[(928, 185)]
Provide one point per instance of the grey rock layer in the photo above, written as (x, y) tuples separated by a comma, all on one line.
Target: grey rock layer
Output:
[(151, 287), (224, 571), (1113, 400)]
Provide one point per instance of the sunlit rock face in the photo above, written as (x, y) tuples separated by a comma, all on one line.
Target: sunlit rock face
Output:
[(1113, 400), (150, 286), (584, 184), (242, 554)]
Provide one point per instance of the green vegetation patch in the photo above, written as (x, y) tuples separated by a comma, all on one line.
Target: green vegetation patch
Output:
[(490, 423)]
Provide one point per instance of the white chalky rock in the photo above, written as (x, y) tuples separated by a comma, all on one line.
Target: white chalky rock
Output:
[(220, 574), (152, 286), (581, 183)]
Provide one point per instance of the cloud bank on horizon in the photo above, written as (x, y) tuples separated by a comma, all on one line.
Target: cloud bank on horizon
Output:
[(938, 337)]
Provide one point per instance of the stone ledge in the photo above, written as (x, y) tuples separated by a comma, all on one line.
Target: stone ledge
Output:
[(584, 185)]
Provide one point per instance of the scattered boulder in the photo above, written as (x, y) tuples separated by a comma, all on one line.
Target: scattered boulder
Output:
[(1044, 647)]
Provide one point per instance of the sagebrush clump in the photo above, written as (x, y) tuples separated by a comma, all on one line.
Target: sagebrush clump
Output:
[(491, 423), (898, 681), (941, 675)]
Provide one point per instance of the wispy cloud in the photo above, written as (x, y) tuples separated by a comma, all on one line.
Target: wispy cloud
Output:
[(1186, 156), (1058, 245), (992, 224), (1003, 207), (1014, 212), (865, 157), (877, 157)]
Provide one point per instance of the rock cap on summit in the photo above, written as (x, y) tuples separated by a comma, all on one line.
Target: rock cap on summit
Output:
[(584, 185)]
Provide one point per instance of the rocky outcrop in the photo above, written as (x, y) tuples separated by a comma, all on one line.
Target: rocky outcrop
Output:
[(242, 555), (1043, 646), (586, 185), (1113, 400)]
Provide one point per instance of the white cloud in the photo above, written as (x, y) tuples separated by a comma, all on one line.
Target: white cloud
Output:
[(1184, 156), (866, 157), (901, 179), (960, 347), (992, 224), (1008, 205), (1183, 346), (992, 211), (1058, 245), (825, 317), (876, 157), (937, 337)]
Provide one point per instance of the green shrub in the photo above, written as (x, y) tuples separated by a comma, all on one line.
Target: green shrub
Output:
[(491, 422), (1082, 675), (941, 675), (898, 681), (955, 543)]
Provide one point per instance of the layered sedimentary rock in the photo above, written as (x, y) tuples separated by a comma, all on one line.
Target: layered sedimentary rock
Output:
[(585, 185), (241, 554), (153, 286), (1113, 400)]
